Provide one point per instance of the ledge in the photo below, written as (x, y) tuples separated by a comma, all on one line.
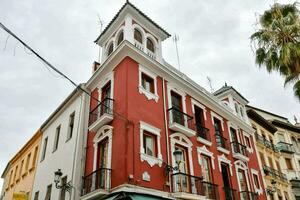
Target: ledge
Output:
[(223, 150), (204, 141), (151, 160), (149, 95)]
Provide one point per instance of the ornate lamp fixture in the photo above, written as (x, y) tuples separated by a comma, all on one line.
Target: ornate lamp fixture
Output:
[(58, 184)]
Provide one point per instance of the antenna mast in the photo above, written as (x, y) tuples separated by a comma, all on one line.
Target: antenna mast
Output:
[(176, 39), (101, 26), (210, 84)]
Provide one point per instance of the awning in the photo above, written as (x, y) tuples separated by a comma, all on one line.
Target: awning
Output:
[(143, 197)]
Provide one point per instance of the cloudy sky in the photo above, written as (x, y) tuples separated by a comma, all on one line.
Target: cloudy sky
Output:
[(214, 42)]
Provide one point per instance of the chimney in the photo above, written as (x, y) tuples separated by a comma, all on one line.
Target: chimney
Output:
[(95, 66)]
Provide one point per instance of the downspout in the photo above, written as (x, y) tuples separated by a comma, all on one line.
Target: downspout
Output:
[(166, 128)]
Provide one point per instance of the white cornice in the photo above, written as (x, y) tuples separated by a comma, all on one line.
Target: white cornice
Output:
[(197, 92)]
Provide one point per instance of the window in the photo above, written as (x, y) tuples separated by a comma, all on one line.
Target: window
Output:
[(36, 195), (289, 165), (236, 106), (242, 180), (35, 156), (138, 36), (242, 112), (286, 195), (281, 137), (56, 139), (270, 162), (233, 135), (295, 144), (71, 126), (217, 126), (63, 190), (44, 149), (16, 171), (149, 144), (150, 45), (256, 181), (148, 83), (27, 162), (11, 181), (278, 166), (21, 168), (110, 49), (262, 158), (206, 169), (48, 193), (120, 38), (248, 143)]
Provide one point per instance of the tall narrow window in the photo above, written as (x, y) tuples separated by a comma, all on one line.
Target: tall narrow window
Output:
[(178, 116), (150, 45), (289, 165), (35, 156), (44, 149), (71, 125), (56, 139), (16, 171), (256, 181), (183, 181), (233, 135), (120, 38), (21, 168), (48, 193), (278, 166), (248, 143), (27, 162), (62, 195), (36, 195), (262, 158), (11, 180), (106, 101), (138, 36), (149, 144), (206, 169), (270, 162), (110, 49), (148, 83), (242, 180)]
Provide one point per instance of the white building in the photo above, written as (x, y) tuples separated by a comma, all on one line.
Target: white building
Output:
[(62, 148)]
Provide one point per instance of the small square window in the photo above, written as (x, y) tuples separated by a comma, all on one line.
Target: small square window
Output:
[(148, 83), (149, 141)]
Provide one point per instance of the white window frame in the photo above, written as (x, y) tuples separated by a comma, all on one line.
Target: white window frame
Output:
[(142, 90), (107, 78), (151, 160), (222, 158), (215, 115), (196, 103), (204, 151), (258, 190), (240, 165)]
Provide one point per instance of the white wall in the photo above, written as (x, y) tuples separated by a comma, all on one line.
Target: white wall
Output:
[(64, 156)]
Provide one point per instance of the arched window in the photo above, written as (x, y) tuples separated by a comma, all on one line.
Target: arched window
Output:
[(120, 38), (150, 45), (110, 49), (138, 36)]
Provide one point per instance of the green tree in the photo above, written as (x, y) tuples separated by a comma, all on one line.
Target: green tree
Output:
[(277, 43)]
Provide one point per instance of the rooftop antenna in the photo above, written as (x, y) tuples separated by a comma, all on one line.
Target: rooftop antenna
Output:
[(100, 21), (210, 84), (176, 39), (295, 119)]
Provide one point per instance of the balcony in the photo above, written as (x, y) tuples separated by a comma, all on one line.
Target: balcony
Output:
[(203, 134), (97, 183), (261, 140), (248, 195), (181, 122), (285, 147), (222, 143), (274, 173), (101, 115), (186, 186), (239, 151), (151, 54), (230, 194), (138, 45)]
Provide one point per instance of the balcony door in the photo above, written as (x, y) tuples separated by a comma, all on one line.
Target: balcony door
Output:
[(102, 163), (243, 184), (105, 98), (177, 108), (226, 182), (182, 181), (233, 134)]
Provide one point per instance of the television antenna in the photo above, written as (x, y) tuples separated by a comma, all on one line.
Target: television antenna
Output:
[(210, 84), (176, 39), (100, 21)]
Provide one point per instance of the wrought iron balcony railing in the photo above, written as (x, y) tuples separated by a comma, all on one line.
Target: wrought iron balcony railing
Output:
[(274, 173), (99, 179), (285, 147), (230, 194), (265, 142), (239, 148), (221, 141), (105, 107), (248, 195), (210, 190), (202, 132), (179, 117)]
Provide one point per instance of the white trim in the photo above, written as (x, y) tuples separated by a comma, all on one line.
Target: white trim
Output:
[(203, 150), (223, 150), (258, 190), (142, 90), (196, 103), (214, 115), (152, 160), (236, 128), (108, 77), (240, 165), (249, 149), (222, 158), (204, 141)]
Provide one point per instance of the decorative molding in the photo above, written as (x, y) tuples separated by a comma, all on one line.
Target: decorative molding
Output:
[(242, 166), (151, 160), (258, 190), (203, 150), (227, 152), (142, 90), (204, 141), (196, 103), (214, 115), (223, 159)]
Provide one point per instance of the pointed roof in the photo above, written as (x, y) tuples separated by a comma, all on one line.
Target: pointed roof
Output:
[(130, 5), (227, 88)]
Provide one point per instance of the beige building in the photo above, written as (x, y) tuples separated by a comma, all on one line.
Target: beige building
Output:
[(20, 171), (270, 156)]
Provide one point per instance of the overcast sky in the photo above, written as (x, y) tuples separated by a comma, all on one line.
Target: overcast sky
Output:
[(214, 42)]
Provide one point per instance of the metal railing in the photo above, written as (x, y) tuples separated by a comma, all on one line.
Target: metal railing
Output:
[(248, 195), (265, 142), (202, 132), (221, 141), (138, 45), (210, 190), (179, 117), (285, 147), (186, 183), (230, 194), (239, 148), (274, 173), (105, 107), (99, 179)]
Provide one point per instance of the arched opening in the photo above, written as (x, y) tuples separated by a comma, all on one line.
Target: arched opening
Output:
[(110, 49), (120, 38), (150, 45), (138, 36)]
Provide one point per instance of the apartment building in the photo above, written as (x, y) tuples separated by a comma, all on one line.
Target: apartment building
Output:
[(20, 171), (153, 133)]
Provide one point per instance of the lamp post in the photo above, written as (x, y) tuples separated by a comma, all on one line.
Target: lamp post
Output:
[(177, 155), (58, 184)]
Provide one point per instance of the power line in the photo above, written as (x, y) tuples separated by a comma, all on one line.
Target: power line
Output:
[(53, 68)]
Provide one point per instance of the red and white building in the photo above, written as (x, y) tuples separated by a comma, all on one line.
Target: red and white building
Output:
[(143, 110)]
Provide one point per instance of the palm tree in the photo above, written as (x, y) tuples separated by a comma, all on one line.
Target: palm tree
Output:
[(277, 43)]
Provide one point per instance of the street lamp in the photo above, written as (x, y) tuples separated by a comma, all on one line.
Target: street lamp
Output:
[(58, 184), (177, 155)]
